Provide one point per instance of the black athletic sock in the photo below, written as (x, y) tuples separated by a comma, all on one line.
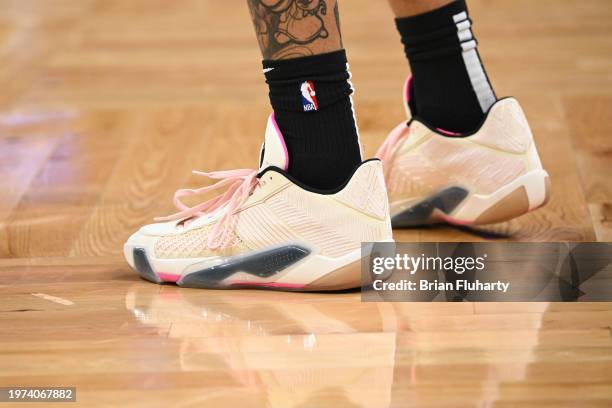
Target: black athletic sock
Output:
[(450, 87), (311, 98)]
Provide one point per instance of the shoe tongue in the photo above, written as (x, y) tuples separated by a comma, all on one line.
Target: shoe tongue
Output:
[(274, 150)]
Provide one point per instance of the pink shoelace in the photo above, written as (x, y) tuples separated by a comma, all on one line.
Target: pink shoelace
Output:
[(389, 147), (240, 182)]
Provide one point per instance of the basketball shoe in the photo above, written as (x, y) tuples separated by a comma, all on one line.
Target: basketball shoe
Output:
[(491, 175), (267, 229)]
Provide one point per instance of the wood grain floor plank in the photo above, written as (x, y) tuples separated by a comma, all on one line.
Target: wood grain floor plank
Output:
[(161, 151), (50, 213), (22, 160), (588, 118)]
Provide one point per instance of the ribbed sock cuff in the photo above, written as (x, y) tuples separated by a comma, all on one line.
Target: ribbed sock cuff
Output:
[(433, 34)]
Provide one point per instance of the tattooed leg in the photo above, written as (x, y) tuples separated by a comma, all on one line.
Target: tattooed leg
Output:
[(310, 90), (296, 28)]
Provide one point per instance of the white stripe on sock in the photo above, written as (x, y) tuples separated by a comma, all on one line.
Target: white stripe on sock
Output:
[(348, 69), (479, 81), (478, 78), (468, 45), (464, 25), (460, 17), (465, 35)]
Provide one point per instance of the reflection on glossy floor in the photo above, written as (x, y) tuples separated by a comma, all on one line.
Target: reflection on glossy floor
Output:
[(107, 105), (121, 341)]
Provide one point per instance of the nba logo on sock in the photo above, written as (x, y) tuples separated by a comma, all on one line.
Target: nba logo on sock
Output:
[(309, 97)]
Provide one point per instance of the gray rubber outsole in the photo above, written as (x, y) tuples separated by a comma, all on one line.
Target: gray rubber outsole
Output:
[(421, 213), (263, 264)]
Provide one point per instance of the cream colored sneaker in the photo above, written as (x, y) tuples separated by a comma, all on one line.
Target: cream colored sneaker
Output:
[(267, 230), (492, 175)]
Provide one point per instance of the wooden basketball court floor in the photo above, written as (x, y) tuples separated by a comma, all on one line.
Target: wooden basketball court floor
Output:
[(107, 105)]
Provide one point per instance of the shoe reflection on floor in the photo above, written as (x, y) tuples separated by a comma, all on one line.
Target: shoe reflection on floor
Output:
[(281, 349)]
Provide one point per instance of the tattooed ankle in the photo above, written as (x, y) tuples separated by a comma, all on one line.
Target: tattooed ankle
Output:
[(292, 28)]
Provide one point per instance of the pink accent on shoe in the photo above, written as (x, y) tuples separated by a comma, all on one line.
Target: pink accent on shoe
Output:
[(268, 284), (450, 220), (168, 277), (282, 139), (407, 87), (388, 148), (241, 183), (448, 132)]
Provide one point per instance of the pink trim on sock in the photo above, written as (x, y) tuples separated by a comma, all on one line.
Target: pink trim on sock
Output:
[(268, 284), (168, 277), (448, 132), (282, 139)]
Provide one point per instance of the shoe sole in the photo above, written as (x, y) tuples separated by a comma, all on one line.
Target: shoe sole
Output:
[(287, 268), (457, 205)]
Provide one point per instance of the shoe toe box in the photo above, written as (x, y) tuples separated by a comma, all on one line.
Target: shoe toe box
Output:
[(146, 237), (160, 229)]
